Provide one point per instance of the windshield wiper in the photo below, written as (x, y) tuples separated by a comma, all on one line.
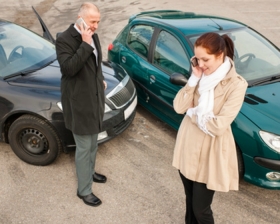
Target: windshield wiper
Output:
[(266, 80), (22, 73)]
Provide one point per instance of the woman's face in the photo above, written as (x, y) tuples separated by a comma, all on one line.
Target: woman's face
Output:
[(207, 62)]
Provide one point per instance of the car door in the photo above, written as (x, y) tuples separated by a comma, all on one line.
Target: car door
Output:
[(134, 58), (168, 56)]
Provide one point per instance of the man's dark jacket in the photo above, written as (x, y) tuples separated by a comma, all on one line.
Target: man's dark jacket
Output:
[(82, 88)]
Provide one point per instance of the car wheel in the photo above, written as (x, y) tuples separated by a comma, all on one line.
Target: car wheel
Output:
[(241, 167), (34, 141)]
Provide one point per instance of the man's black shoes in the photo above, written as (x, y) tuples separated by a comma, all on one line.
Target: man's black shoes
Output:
[(99, 178), (90, 199)]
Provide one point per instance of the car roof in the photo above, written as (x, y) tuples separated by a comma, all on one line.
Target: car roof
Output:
[(188, 23), (2, 22)]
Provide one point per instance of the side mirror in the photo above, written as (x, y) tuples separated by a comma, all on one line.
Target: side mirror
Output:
[(178, 79)]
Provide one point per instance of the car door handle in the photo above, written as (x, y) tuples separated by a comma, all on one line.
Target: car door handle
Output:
[(123, 59), (152, 79)]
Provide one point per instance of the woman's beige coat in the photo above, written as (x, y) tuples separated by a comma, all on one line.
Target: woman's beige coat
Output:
[(200, 157)]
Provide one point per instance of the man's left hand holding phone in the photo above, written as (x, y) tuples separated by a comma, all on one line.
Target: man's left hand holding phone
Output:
[(86, 32)]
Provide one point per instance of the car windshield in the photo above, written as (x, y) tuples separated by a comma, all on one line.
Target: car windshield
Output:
[(22, 50), (255, 58)]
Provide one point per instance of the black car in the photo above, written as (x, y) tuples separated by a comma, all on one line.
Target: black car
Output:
[(31, 117)]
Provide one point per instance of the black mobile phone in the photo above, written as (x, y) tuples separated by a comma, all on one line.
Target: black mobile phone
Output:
[(194, 62)]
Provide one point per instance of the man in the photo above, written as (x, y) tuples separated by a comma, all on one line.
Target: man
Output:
[(82, 94)]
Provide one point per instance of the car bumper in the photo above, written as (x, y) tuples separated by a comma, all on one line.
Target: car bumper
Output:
[(114, 123), (259, 171), (268, 163)]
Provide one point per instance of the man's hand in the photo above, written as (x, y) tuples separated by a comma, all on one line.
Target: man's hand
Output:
[(105, 85), (86, 34)]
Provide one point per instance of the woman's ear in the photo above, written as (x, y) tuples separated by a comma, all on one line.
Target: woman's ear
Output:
[(221, 56)]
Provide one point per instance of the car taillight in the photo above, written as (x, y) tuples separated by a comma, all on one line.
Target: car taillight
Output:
[(110, 47)]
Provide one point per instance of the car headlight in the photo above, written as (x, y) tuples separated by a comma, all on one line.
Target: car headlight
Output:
[(59, 105), (107, 108), (272, 140)]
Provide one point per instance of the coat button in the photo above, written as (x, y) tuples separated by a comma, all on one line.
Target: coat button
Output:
[(224, 82)]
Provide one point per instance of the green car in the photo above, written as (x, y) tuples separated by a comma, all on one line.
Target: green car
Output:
[(155, 49)]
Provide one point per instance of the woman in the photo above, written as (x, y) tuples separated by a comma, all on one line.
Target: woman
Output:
[(205, 152)]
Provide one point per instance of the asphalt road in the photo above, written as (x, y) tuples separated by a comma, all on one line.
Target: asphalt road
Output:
[(142, 186)]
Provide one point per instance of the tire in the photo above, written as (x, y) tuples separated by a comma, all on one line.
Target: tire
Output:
[(241, 168), (34, 141)]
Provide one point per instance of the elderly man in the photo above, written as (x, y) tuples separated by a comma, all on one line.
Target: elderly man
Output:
[(82, 94)]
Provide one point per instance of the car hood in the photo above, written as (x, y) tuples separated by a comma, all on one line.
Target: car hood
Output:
[(262, 106), (49, 77)]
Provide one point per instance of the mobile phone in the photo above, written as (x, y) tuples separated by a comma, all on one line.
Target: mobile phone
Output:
[(81, 22), (194, 62)]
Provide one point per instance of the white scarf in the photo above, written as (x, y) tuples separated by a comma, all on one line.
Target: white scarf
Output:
[(207, 84)]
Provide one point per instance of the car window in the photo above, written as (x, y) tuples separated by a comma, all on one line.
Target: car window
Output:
[(21, 49), (254, 56), (139, 39), (169, 54)]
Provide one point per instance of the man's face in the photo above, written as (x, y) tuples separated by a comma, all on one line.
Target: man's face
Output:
[(92, 19)]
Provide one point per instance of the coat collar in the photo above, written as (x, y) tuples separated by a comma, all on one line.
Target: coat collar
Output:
[(231, 73), (219, 90), (74, 32), (98, 47), (78, 36)]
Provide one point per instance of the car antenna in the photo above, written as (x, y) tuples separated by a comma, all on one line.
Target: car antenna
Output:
[(219, 27)]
